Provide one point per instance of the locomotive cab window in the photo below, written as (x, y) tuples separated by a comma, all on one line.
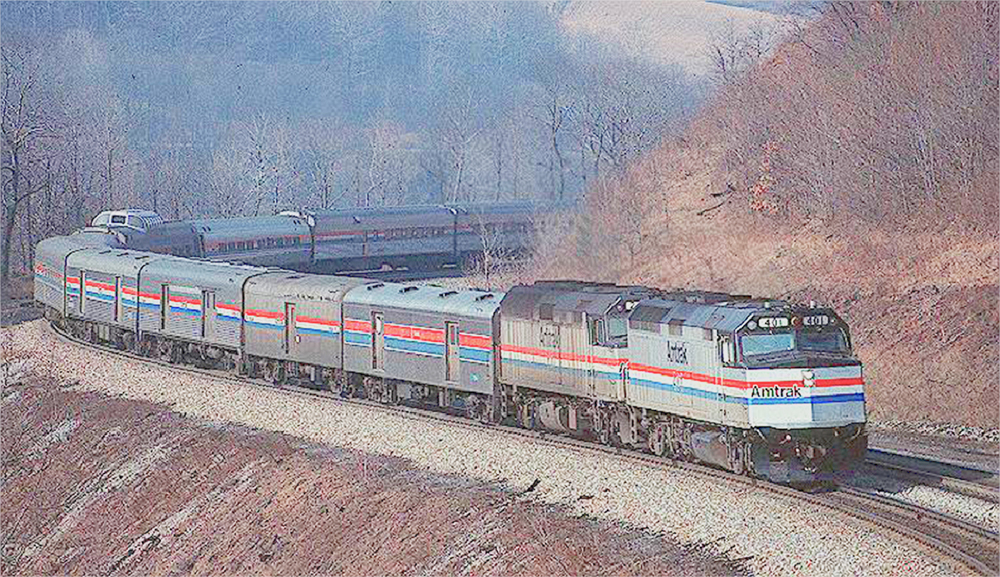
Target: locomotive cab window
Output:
[(769, 341)]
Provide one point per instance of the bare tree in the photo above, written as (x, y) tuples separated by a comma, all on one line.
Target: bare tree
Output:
[(25, 127), (496, 260)]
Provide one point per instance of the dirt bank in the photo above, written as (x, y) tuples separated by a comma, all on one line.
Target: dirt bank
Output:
[(97, 485)]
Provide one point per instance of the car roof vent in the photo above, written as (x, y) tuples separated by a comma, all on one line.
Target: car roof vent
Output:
[(375, 286), (447, 294), (484, 297), (407, 289)]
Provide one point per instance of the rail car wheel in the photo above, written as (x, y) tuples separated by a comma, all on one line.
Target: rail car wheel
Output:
[(128, 341), (524, 416), (274, 373), (163, 350)]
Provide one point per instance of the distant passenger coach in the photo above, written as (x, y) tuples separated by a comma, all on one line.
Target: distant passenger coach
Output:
[(415, 237)]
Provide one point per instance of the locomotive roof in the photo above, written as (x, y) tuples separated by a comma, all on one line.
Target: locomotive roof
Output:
[(427, 298), (718, 311), (323, 287), (568, 296)]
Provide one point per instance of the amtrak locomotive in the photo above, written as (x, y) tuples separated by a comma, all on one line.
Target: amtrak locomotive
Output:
[(761, 387)]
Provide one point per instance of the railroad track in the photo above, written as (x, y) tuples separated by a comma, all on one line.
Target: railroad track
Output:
[(965, 547), (975, 483)]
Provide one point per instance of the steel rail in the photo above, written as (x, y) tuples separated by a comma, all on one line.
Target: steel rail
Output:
[(966, 481), (966, 548)]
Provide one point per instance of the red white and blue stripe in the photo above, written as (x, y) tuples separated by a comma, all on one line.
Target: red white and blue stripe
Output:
[(73, 285), (48, 277), (317, 326), (227, 311), (264, 319), (830, 386), (413, 340), (357, 332), (100, 291), (475, 348), (543, 359), (185, 300)]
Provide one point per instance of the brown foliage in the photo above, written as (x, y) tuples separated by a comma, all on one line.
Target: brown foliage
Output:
[(877, 111), (857, 166)]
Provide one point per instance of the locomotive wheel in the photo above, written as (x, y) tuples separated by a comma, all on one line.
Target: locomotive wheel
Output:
[(657, 442), (604, 432), (737, 458)]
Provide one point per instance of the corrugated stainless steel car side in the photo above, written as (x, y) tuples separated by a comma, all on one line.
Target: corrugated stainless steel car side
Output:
[(52, 286), (283, 241), (501, 226), (296, 317), (109, 280), (176, 238), (369, 238), (194, 300), (422, 334)]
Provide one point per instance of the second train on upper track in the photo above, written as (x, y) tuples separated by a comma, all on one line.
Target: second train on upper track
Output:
[(416, 237), (762, 387)]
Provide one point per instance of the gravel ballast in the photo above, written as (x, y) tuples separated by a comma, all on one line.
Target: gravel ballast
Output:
[(776, 536)]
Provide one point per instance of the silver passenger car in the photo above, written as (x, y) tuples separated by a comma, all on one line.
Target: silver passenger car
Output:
[(284, 241), (108, 279), (505, 226), (52, 286), (370, 238), (194, 300), (423, 334), (296, 317)]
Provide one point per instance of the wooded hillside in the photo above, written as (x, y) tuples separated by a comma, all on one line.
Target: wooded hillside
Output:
[(855, 164)]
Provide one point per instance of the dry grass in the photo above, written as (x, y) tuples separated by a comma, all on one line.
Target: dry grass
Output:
[(922, 305)]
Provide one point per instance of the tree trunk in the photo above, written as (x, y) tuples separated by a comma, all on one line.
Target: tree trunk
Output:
[(10, 216)]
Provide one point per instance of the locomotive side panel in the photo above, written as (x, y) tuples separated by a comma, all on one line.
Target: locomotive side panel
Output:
[(677, 368), (530, 354)]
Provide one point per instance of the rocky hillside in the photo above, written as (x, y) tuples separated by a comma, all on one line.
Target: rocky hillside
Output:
[(857, 165)]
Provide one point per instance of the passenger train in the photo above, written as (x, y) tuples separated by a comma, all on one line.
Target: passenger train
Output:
[(761, 387), (426, 237)]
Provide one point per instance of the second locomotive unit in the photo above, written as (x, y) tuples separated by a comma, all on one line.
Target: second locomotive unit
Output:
[(762, 387)]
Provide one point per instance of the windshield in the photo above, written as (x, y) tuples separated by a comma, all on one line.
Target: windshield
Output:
[(803, 340), (766, 344)]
